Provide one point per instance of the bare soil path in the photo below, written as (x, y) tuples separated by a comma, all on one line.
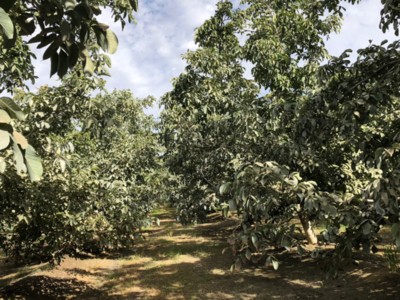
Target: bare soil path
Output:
[(176, 262)]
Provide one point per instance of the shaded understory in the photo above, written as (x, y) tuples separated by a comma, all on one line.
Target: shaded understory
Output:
[(177, 262)]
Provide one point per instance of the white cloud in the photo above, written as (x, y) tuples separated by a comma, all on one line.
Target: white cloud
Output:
[(149, 54), (361, 24)]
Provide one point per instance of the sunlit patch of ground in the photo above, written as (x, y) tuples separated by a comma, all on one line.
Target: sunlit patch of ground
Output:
[(176, 262)]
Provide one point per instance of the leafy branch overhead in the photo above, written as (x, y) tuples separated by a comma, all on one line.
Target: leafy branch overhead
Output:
[(70, 34), (25, 157), (67, 29)]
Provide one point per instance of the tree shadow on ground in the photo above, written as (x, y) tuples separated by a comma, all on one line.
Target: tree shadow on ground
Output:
[(45, 287), (188, 263), (187, 280), (10, 272), (194, 268)]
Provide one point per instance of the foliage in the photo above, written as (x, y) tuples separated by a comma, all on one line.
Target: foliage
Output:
[(71, 34), (202, 117), (393, 258), (25, 157), (302, 139), (102, 174), (66, 28)]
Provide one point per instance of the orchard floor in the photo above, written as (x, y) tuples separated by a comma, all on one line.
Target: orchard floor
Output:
[(176, 262)]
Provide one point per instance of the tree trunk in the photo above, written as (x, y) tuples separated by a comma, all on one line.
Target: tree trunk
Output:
[(308, 230)]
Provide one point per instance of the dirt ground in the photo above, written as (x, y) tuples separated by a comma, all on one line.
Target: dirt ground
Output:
[(176, 262)]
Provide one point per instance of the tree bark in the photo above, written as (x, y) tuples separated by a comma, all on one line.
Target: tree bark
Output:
[(308, 229)]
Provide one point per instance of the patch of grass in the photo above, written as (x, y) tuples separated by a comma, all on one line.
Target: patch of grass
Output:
[(320, 227), (202, 254), (162, 211), (172, 253)]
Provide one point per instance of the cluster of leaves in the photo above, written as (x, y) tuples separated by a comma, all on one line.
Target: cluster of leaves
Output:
[(334, 124), (25, 157), (202, 115), (102, 174), (70, 31), (66, 28)]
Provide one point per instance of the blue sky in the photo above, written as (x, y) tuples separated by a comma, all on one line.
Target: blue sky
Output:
[(149, 53)]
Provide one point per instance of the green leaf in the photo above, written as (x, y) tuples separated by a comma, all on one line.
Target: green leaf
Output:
[(6, 24), (89, 66), (112, 41), (62, 64), (63, 165), (36, 39), (9, 43), (27, 28), (65, 30), (248, 254), (34, 164), (4, 139), (102, 26), (51, 50), (96, 9), (22, 218), (254, 240), (232, 205), (54, 64), (4, 117), (272, 261), (366, 228), (107, 60), (396, 230), (69, 4), (11, 108), (101, 38), (134, 4), (286, 243), (224, 188), (104, 71), (84, 33), (19, 159), (84, 10), (20, 140), (73, 55), (275, 263), (44, 40)]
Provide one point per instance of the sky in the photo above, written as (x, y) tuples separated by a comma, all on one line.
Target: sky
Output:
[(149, 52)]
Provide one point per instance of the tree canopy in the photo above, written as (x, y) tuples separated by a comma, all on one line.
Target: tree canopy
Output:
[(96, 172), (102, 176), (308, 140), (71, 35), (67, 29), (309, 136)]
